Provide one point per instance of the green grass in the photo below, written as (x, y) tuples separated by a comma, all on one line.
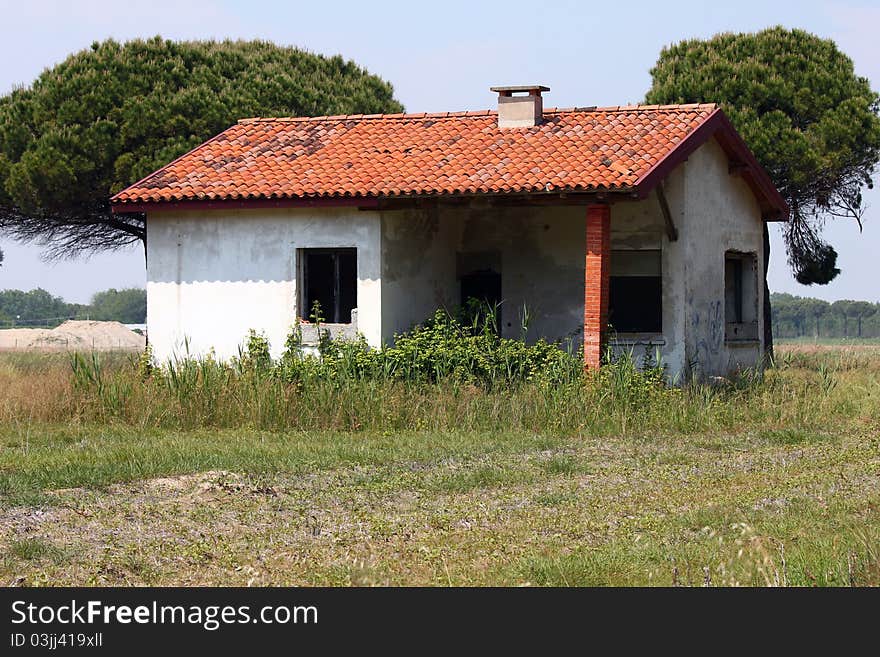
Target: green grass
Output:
[(93, 457), (762, 482), (34, 549), (794, 436), (715, 549), (833, 342)]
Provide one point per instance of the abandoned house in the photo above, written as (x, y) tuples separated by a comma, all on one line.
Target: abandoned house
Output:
[(641, 225)]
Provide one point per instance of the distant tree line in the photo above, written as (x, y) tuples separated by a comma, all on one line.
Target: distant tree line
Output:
[(38, 308), (804, 317)]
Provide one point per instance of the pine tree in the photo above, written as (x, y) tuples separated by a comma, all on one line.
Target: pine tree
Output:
[(809, 119), (109, 115)]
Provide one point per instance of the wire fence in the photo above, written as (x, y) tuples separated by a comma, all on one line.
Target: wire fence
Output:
[(41, 322), (67, 344)]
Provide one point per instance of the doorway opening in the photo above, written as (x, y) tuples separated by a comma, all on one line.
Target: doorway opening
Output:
[(480, 286)]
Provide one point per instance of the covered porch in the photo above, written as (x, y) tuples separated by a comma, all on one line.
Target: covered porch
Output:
[(563, 272)]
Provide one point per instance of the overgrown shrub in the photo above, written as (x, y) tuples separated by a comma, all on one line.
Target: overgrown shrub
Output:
[(441, 349)]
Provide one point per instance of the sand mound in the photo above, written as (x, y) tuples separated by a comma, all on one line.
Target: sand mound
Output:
[(74, 335)]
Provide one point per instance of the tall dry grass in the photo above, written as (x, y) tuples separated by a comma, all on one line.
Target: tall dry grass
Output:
[(803, 392)]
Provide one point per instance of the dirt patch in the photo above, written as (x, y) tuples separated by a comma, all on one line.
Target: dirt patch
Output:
[(73, 335)]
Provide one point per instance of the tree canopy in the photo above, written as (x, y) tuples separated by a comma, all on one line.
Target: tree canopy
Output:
[(109, 115), (35, 307), (128, 306), (810, 120)]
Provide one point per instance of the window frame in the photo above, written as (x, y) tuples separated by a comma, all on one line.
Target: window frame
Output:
[(651, 334), (303, 306), (741, 325)]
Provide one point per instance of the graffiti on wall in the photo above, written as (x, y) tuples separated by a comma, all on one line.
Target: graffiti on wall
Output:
[(708, 327)]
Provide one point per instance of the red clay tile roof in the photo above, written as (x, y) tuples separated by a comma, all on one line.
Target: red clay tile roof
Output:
[(581, 149)]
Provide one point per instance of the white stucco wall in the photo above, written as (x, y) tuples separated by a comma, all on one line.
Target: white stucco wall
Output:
[(640, 226), (211, 277), (418, 268)]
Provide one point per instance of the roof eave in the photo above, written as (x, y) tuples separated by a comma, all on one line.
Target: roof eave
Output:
[(129, 207), (554, 196), (773, 205)]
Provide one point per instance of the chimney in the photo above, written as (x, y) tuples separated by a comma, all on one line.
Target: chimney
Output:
[(520, 111)]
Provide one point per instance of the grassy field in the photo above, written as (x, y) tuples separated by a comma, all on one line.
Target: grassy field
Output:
[(849, 343), (105, 479)]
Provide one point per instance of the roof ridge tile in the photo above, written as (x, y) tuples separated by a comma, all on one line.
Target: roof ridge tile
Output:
[(471, 113)]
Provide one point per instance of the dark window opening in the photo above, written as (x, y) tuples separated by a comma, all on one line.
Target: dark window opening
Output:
[(740, 296), (635, 303), (483, 287), (329, 277), (733, 289)]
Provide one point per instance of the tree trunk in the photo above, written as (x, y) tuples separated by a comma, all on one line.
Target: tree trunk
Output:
[(768, 318)]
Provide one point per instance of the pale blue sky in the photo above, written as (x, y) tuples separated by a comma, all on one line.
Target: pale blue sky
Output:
[(442, 55)]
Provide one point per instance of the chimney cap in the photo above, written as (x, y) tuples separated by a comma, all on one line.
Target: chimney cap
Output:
[(521, 111), (533, 89)]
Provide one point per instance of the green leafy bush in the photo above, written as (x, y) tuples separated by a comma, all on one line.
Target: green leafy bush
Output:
[(256, 356), (443, 348)]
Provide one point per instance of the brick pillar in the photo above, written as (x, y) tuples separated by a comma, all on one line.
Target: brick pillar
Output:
[(597, 277)]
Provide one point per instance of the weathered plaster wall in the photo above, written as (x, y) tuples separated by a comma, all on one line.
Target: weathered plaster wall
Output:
[(721, 214), (640, 226), (418, 267), (213, 276), (540, 251), (542, 263)]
